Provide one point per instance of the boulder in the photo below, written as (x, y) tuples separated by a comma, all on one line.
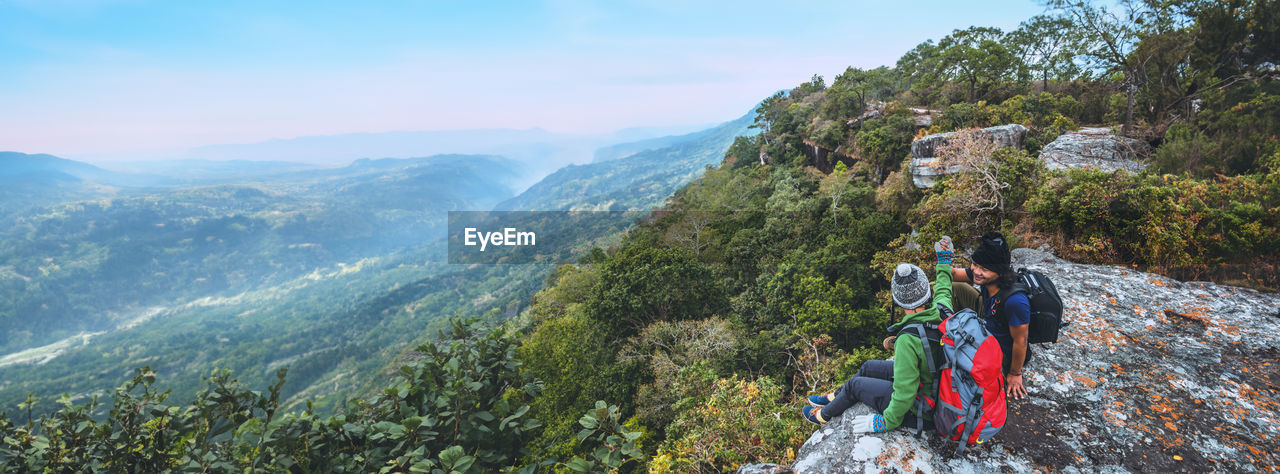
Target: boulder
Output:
[(1151, 375), (922, 117), (1096, 148), (924, 151)]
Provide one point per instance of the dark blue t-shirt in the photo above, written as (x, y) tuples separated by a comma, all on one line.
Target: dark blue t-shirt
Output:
[(1018, 307)]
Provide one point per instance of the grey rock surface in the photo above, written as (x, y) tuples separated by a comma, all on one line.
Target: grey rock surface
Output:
[(924, 151), (766, 468), (1096, 148), (922, 117), (1151, 375)]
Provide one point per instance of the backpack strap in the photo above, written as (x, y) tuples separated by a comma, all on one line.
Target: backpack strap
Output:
[(922, 406), (971, 417), (944, 311), (920, 331), (1003, 296)]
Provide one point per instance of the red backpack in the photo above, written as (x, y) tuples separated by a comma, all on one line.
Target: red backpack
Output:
[(966, 399)]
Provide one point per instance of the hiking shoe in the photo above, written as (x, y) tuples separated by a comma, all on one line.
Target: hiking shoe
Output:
[(819, 400), (814, 415)]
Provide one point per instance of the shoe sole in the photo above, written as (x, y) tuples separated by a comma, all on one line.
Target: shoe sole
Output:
[(814, 421)]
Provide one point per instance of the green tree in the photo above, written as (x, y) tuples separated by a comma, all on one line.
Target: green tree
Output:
[(1049, 45), (978, 57), (642, 285), (461, 408), (921, 69), (1111, 39), (1234, 38), (884, 143)]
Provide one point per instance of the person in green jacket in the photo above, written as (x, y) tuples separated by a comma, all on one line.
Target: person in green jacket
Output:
[(889, 386)]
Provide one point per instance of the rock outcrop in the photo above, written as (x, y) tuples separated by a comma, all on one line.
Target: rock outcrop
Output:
[(924, 151), (1095, 148), (1151, 375), (921, 116)]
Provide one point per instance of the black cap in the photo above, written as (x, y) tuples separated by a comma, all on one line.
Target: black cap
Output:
[(993, 253)]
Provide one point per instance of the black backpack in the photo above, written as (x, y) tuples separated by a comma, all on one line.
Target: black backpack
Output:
[(1046, 306)]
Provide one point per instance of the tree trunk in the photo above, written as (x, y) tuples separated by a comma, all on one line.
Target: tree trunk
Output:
[(1128, 116)]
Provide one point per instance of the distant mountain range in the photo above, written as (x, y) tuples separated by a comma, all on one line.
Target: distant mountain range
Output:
[(333, 272), (635, 175), (623, 150), (541, 150), (521, 145), (46, 168)]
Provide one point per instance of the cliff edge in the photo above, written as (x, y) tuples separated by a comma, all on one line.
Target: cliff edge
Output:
[(1151, 375)]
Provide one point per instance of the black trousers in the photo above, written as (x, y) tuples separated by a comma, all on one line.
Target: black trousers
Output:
[(872, 385)]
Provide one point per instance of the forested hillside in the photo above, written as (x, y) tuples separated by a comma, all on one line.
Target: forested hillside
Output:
[(340, 329), (93, 265), (650, 171), (690, 345)]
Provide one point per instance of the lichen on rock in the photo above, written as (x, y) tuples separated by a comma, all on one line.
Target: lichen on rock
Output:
[(1096, 148)]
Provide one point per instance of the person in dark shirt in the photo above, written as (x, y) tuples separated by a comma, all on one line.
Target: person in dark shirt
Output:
[(1007, 314)]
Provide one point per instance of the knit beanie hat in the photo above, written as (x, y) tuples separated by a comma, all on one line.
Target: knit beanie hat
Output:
[(993, 253), (910, 286)]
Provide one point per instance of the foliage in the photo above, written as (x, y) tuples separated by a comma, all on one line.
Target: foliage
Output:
[(1165, 221), (573, 356), (979, 197), (980, 58), (1231, 134), (1048, 46), (670, 349), (741, 421), (461, 408), (615, 446), (1046, 115), (1111, 39), (641, 286), (885, 143), (762, 281)]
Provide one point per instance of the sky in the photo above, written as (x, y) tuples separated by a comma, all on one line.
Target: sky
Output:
[(79, 78)]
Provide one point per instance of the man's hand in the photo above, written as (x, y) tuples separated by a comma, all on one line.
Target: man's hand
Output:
[(888, 343), (1016, 390)]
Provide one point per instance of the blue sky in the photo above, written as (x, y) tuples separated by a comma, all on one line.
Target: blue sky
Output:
[(99, 76)]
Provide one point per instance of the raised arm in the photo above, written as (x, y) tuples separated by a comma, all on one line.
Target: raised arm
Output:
[(942, 283)]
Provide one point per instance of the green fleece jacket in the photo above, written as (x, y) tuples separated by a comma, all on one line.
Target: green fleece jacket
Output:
[(908, 352)]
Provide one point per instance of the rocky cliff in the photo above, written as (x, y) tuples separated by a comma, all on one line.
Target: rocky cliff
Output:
[(1152, 375), (924, 151), (1096, 148)]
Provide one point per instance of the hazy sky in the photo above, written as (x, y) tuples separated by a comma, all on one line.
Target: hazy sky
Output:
[(83, 77)]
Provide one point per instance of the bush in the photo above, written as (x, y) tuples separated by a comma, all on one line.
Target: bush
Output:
[(461, 408), (1233, 135), (742, 421), (642, 285), (1166, 221)]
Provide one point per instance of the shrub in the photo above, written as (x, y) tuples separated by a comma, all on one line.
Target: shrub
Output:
[(742, 421), (461, 408)]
